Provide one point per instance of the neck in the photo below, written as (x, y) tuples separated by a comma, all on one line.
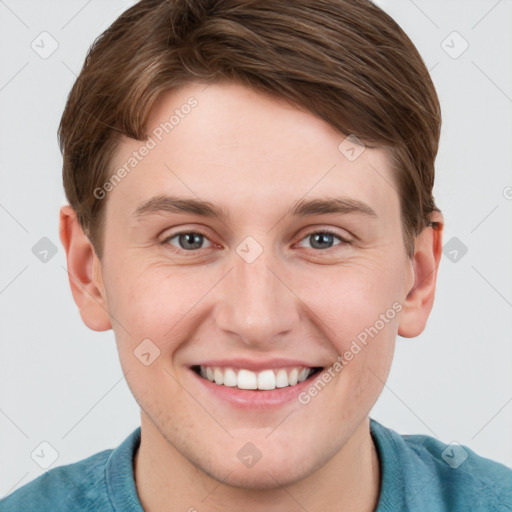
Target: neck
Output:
[(165, 480)]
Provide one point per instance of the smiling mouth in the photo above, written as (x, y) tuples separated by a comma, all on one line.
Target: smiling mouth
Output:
[(265, 380)]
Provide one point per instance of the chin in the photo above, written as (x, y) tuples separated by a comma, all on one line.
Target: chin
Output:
[(263, 478), (272, 471)]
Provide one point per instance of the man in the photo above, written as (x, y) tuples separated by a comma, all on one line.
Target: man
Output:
[(251, 213)]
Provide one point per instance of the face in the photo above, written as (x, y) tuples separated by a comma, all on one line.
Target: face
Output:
[(295, 258)]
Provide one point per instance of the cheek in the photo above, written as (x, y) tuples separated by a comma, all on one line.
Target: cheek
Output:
[(359, 309), (355, 302), (151, 301)]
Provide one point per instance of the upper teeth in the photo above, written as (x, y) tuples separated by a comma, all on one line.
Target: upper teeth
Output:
[(247, 379)]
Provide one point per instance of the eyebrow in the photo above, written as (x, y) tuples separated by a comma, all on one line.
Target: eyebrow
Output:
[(301, 208)]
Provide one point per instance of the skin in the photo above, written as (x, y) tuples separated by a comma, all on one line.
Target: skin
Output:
[(254, 156)]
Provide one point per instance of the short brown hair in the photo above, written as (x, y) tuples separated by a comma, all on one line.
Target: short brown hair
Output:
[(345, 61)]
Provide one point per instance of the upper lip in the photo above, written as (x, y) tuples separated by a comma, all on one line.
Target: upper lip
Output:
[(257, 365)]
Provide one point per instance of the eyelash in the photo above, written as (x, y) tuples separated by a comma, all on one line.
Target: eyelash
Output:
[(325, 231)]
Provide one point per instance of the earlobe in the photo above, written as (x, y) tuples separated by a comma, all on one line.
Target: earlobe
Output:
[(84, 272), (418, 303)]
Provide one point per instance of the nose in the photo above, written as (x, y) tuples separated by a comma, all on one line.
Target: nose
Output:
[(256, 304)]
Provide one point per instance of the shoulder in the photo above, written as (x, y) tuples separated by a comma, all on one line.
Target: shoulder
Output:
[(447, 475), (463, 477), (78, 486)]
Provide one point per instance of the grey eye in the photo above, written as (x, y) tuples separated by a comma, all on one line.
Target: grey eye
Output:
[(188, 241), (322, 240)]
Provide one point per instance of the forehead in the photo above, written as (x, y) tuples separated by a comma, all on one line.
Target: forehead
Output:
[(246, 152)]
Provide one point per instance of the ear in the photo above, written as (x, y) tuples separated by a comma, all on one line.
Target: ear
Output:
[(425, 261), (84, 271)]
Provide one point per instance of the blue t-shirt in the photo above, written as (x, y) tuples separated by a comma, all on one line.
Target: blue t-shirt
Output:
[(418, 472)]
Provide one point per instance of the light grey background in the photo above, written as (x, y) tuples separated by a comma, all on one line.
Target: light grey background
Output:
[(62, 384)]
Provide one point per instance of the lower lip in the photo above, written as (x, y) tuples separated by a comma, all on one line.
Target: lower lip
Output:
[(256, 398)]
